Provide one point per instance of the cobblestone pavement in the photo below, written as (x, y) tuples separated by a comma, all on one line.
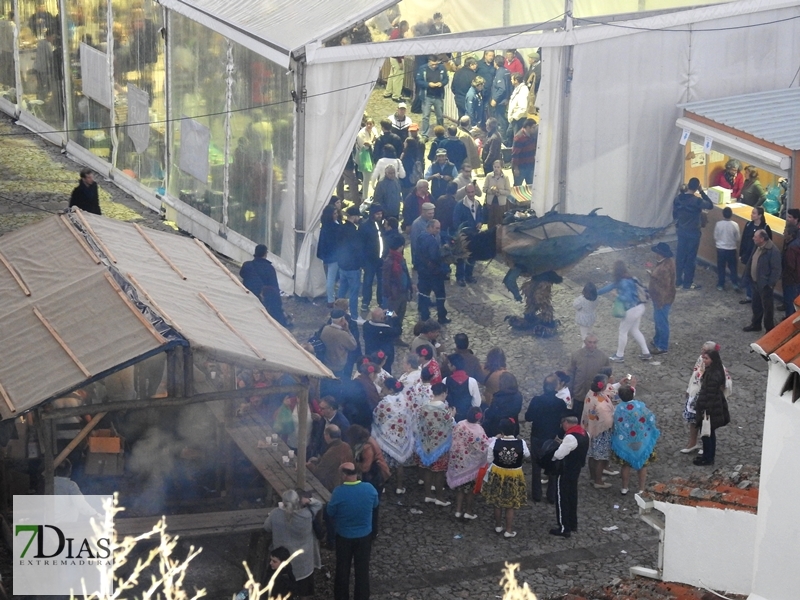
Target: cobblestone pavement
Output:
[(429, 554)]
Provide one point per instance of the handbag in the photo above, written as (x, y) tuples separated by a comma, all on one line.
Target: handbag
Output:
[(705, 430), (618, 309)]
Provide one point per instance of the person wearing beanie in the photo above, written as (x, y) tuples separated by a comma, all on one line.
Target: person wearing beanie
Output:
[(259, 276)]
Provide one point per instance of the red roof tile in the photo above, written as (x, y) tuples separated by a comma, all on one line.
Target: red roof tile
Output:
[(737, 490), (783, 334)]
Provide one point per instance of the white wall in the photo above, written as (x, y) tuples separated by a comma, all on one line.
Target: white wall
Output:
[(775, 572), (708, 547)]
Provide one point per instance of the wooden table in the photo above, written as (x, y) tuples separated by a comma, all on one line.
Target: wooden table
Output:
[(249, 428), (195, 525)]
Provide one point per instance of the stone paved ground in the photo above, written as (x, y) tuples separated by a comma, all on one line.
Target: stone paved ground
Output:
[(430, 555)]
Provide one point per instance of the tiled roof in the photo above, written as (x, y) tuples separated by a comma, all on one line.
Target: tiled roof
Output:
[(782, 344), (737, 490)]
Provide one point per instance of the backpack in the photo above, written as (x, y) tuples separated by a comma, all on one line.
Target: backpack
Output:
[(319, 346)]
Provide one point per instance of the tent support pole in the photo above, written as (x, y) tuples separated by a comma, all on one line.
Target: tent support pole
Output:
[(563, 126), (44, 431), (302, 435), (299, 95), (188, 372)]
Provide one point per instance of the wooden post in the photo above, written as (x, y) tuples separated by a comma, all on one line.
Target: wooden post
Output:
[(77, 439), (302, 436), (44, 431), (188, 372)]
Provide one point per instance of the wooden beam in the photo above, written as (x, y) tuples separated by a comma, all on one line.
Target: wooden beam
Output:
[(152, 302), (230, 326), (7, 399), (217, 262), (127, 301), (163, 256), (96, 237), (302, 436), (61, 342), (93, 409), (78, 438), (65, 220), (15, 275)]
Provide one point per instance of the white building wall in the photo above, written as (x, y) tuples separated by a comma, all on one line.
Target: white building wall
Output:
[(777, 536), (708, 547)]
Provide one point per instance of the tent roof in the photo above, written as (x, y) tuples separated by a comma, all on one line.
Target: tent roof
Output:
[(277, 28), (773, 116), (115, 293)]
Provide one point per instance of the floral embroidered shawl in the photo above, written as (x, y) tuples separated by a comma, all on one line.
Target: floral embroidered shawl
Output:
[(434, 432), (467, 453), (635, 433), (393, 426), (598, 413)]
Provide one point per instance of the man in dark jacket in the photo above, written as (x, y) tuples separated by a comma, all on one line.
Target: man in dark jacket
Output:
[(763, 270), (686, 210), (468, 215), (413, 159), (486, 69), (544, 414), (572, 452), (371, 233), (379, 334), (85, 196), (433, 78), (387, 137), (388, 193), (259, 276), (472, 364), (456, 150), (462, 81), (500, 94), (349, 255), (790, 277), (432, 271)]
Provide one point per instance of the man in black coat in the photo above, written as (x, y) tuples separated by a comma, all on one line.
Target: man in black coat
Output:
[(544, 414), (387, 138), (380, 332), (259, 276), (433, 272), (349, 255), (372, 245), (572, 454), (85, 196), (462, 81)]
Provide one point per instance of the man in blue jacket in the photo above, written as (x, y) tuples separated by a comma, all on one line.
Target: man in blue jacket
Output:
[(349, 255), (350, 508), (468, 214), (432, 78), (500, 94), (432, 272)]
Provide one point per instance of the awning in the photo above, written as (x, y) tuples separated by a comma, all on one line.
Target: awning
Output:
[(769, 159), (278, 28)]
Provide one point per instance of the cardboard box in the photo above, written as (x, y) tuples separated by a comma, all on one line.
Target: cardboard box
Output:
[(104, 464), (719, 195), (103, 441)]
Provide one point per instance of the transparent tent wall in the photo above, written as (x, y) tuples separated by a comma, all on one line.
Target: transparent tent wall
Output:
[(140, 103), (41, 56)]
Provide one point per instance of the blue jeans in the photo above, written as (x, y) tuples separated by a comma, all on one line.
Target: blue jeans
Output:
[(349, 286), (790, 292), (727, 258), (438, 107), (331, 275), (661, 320), (525, 174), (464, 269), (686, 256)]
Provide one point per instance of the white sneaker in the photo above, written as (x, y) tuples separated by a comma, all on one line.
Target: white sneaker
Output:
[(430, 500), (458, 515), (470, 517), (623, 491), (440, 502), (609, 472), (615, 358), (400, 491)]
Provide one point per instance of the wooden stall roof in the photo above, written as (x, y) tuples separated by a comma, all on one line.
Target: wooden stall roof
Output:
[(84, 295)]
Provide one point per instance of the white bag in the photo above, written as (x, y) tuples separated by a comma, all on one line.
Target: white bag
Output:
[(705, 430)]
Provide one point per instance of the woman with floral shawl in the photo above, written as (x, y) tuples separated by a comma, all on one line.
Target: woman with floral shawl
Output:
[(598, 420), (393, 429), (635, 436), (695, 382), (432, 440), (467, 456), (420, 394)]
